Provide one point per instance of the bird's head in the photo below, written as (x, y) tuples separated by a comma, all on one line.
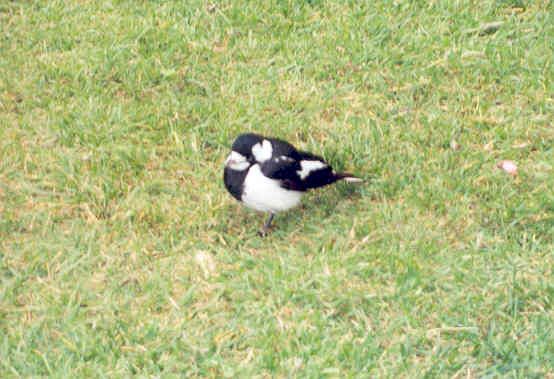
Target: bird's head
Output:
[(242, 156)]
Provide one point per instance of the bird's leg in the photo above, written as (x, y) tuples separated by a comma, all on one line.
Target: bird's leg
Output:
[(267, 225)]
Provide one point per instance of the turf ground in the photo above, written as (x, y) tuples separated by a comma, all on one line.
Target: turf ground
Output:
[(121, 253)]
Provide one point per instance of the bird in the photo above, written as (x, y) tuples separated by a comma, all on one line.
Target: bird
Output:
[(270, 175)]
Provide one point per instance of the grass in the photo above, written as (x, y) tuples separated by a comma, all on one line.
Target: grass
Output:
[(121, 253)]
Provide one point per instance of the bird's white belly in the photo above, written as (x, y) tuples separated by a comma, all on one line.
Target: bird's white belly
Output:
[(264, 194)]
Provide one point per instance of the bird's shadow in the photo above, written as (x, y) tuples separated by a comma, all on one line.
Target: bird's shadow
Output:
[(318, 204), (321, 203), (330, 198)]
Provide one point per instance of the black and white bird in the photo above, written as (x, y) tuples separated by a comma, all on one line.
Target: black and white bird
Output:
[(270, 175)]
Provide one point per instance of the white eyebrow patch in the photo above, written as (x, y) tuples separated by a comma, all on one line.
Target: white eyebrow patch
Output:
[(236, 161), (308, 167), (262, 151)]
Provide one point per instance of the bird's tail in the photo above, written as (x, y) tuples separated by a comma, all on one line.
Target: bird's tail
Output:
[(349, 178)]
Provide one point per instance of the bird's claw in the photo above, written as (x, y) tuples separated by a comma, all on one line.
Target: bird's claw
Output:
[(263, 232)]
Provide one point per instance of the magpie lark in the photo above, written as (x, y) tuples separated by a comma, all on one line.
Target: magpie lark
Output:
[(270, 175)]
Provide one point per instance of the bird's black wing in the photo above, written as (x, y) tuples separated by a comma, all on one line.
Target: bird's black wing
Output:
[(297, 170), (300, 170), (318, 177), (283, 165), (285, 169), (283, 148)]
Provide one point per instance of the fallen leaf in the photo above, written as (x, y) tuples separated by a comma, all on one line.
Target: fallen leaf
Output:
[(508, 167), (522, 145), (484, 29), (473, 54), (489, 146), (454, 145), (206, 263)]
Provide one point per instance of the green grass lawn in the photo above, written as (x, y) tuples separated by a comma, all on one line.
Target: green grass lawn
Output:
[(122, 254)]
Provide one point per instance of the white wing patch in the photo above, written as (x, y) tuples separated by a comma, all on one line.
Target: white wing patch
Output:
[(308, 167), (282, 158), (262, 151)]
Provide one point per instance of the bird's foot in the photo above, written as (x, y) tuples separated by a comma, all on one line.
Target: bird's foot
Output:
[(263, 232)]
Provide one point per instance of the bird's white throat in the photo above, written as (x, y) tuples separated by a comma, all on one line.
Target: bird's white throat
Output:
[(237, 161)]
